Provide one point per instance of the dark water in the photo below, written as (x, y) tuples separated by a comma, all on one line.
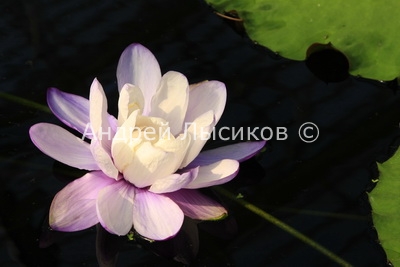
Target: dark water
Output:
[(319, 188)]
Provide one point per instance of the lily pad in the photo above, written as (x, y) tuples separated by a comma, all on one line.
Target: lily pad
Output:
[(365, 31), (385, 202)]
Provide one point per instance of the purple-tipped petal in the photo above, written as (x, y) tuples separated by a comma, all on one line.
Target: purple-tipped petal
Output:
[(156, 216), (71, 109), (138, 66), (240, 152), (62, 146), (198, 206), (171, 100), (214, 174), (173, 182), (103, 159), (115, 207), (113, 122), (205, 96), (74, 207)]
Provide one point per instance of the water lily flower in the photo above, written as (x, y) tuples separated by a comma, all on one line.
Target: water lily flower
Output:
[(144, 167)]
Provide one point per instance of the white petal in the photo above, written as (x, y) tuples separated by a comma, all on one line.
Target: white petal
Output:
[(173, 182), (214, 174), (130, 99), (205, 96), (103, 159), (152, 162), (200, 132), (138, 66), (156, 216), (99, 116), (171, 100), (122, 148), (146, 165), (63, 146), (115, 207)]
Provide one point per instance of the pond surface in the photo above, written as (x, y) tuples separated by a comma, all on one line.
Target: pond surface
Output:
[(319, 188)]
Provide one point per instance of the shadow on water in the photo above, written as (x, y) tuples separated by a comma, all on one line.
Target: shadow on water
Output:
[(318, 188)]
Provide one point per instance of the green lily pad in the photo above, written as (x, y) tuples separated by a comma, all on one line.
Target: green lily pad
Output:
[(385, 202), (367, 32)]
